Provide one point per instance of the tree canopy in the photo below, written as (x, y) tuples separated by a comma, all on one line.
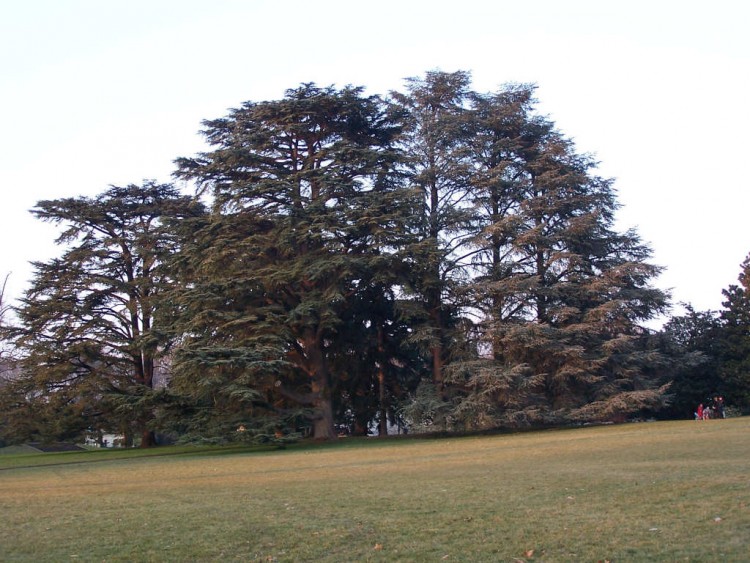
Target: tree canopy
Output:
[(439, 258), (87, 332), (307, 220)]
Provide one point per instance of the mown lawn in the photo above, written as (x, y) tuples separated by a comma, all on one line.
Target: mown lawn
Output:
[(676, 491)]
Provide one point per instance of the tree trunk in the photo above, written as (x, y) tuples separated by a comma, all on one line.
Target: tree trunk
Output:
[(437, 366), (383, 414), (323, 427), (146, 368), (383, 411), (148, 439), (436, 349)]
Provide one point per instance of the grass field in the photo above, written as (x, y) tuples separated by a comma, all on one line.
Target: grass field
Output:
[(676, 491)]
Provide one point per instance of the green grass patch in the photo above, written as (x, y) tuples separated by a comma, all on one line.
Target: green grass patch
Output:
[(636, 492), (20, 457), (18, 450)]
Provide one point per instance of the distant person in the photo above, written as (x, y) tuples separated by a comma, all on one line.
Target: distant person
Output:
[(720, 407), (699, 412)]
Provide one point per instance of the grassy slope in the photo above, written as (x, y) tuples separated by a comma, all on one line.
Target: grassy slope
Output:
[(637, 492), (18, 450)]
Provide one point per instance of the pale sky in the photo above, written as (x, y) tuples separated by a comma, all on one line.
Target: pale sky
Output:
[(97, 92)]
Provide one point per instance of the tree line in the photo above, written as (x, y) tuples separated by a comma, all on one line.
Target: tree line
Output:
[(436, 259)]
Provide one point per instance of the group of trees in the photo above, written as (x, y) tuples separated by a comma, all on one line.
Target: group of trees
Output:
[(440, 258), (711, 352)]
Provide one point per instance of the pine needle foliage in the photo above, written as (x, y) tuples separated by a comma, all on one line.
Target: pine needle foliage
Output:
[(441, 257), (735, 344), (87, 328), (559, 294), (308, 216)]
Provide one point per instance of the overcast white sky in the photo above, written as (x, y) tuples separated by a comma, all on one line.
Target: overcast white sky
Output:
[(96, 92)]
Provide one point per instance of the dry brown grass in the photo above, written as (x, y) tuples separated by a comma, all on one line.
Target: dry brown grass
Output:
[(638, 492)]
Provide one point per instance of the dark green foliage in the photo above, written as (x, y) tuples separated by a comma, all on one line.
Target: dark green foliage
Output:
[(444, 258), (27, 415), (376, 365), (307, 217), (735, 344), (710, 353), (428, 411), (560, 294), (693, 342), (88, 334), (436, 164)]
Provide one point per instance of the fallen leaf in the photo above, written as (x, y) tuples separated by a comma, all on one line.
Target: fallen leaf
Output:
[(528, 553), (378, 547)]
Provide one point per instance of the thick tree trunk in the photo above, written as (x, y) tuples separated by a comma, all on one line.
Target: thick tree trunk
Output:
[(146, 369), (383, 414), (323, 427), (437, 366), (436, 350), (148, 439), (434, 297)]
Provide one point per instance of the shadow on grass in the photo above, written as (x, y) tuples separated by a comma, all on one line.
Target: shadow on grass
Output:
[(23, 458)]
